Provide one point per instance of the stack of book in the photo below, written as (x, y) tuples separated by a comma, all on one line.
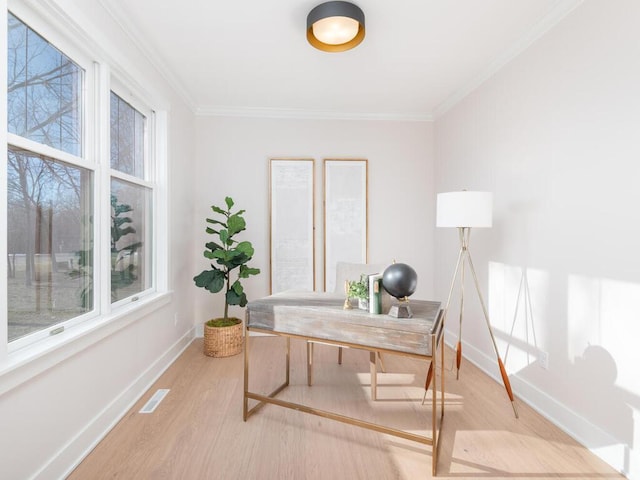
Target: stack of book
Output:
[(375, 293)]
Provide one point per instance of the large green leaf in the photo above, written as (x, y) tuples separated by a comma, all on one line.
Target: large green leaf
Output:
[(218, 222), (225, 255), (218, 210), (224, 236), (213, 246), (246, 248), (212, 280), (234, 298), (245, 271), (231, 259), (236, 224), (237, 287), (119, 221), (122, 208)]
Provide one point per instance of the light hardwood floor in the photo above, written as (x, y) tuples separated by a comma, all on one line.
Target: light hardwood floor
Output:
[(197, 432)]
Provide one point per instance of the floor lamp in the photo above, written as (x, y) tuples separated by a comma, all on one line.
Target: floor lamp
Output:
[(464, 211)]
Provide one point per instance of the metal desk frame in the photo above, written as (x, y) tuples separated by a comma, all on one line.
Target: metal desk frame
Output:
[(436, 422)]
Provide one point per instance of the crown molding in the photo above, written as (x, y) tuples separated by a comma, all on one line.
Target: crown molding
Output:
[(291, 113), (137, 38), (559, 11)]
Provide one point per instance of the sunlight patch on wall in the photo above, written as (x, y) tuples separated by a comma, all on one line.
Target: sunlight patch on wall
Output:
[(518, 306), (606, 313)]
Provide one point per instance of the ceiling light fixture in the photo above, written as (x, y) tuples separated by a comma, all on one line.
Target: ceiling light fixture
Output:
[(335, 26)]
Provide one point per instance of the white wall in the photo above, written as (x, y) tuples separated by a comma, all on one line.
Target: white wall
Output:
[(233, 159), (51, 420), (554, 135)]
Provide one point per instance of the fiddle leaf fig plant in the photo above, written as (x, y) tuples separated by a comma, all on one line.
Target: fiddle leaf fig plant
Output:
[(228, 256)]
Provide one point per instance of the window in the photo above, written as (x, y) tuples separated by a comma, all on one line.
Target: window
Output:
[(61, 244), (48, 207), (130, 202), (127, 137), (49, 199), (44, 86)]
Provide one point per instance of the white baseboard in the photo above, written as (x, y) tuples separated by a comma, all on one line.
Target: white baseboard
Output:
[(71, 454), (580, 429)]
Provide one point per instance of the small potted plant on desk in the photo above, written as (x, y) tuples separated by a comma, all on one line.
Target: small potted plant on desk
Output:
[(360, 289), (223, 336)]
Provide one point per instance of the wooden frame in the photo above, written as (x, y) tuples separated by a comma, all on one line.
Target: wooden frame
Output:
[(346, 222), (292, 224)]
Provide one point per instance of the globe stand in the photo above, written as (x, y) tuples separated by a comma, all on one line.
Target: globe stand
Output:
[(401, 310)]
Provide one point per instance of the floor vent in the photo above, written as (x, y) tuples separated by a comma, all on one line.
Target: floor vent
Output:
[(154, 401)]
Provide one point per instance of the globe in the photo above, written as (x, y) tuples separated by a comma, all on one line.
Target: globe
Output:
[(400, 280)]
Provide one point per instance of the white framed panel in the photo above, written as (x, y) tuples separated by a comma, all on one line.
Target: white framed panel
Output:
[(345, 215), (292, 220)]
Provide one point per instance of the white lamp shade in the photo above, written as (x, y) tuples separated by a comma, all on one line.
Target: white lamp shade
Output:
[(464, 209)]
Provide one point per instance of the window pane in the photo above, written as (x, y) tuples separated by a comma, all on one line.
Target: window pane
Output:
[(49, 246), (130, 239), (127, 138), (44, 90)]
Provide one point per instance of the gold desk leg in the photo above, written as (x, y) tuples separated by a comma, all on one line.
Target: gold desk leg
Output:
[(442, 376), (246, 411), (434, 404), (374, 375)]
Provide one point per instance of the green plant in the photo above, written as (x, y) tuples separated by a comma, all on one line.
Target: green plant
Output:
[(229, 255), (359, 288), (123, 268)]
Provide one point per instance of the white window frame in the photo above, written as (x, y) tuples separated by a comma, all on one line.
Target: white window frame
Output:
[(86, 160), (98, 81), (150, 135)]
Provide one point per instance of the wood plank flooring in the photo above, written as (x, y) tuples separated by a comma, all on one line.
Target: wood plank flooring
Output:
[(197, 432)]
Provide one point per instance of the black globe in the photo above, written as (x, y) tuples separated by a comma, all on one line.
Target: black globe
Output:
[(400, 280)]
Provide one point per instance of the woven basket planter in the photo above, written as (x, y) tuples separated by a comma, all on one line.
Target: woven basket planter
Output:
[(223, 341)]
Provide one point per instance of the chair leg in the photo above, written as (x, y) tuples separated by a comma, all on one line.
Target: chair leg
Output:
[(339, 355), (384, 370), (374, 375), (309, 363)]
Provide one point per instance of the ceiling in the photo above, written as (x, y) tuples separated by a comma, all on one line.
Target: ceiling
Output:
[(252, 57)]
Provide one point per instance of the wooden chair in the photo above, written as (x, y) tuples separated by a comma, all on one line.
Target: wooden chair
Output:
[(345, 271)]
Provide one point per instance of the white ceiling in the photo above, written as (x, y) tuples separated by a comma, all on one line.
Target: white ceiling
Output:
[(252, 56)]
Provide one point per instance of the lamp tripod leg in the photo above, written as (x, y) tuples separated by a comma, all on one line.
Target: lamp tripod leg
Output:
[(503, 372), (446, 309), (459, 344)]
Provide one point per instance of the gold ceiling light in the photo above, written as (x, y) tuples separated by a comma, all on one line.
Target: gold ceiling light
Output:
[(335, 26)]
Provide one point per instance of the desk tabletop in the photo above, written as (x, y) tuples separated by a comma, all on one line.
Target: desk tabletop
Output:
[(320, 316)]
